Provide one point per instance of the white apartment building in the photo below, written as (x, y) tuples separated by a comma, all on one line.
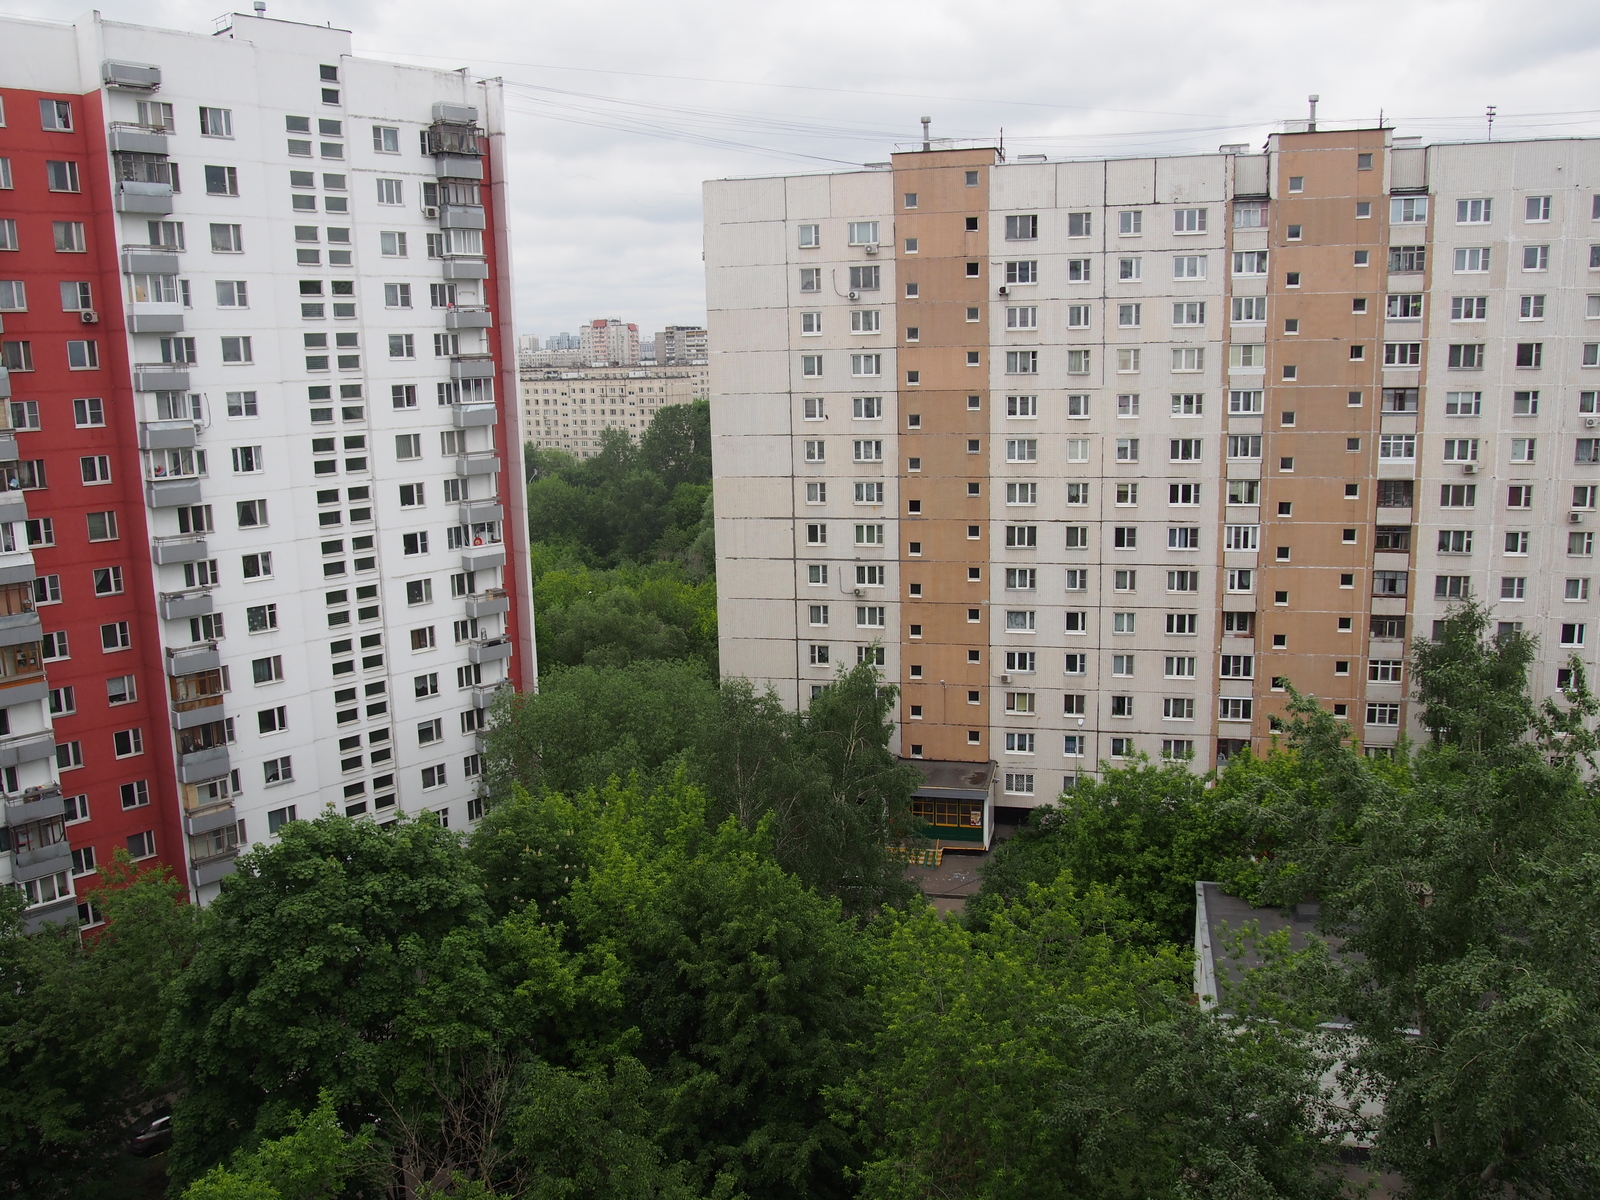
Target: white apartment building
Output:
[(568, 410), (1093, 456), (302, 293)]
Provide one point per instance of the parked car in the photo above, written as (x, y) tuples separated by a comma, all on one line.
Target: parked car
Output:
[(153, 1136)]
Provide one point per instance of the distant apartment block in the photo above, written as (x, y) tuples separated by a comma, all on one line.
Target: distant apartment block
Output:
[(568, 410), (609, 341), (679, 345), (1095, 457), (260, 532)]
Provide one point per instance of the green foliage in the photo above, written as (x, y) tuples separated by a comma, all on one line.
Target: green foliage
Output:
[(623, 552), (79, 1024), (825, 778), (741, 985), (630, 503), (588, 724), (1149, 831), (677, 446), (1463, 880), (332, 960), (590, 1134), (589, 617), (314, 1161), (1049, 1054)]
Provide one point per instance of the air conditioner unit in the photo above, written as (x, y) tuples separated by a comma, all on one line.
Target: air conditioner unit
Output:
[(1575, 518), (88, 316), (872, 247), (1591, 422), (1469, 469), (430, 210), (858, 593), (1005, 291), (1005, 679), (852, 295)]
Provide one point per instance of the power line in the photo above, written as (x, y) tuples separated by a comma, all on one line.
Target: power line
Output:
[(803, 87)]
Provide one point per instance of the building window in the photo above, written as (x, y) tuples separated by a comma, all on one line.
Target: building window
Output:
[(62, 176)]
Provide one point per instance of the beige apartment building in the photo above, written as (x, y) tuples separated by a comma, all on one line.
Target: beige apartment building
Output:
[(1094, 456), (568, 409)]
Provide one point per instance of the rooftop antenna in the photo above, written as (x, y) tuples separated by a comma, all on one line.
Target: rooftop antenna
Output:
[(1489, 112), (927, 143), (1311, 125), (261, 8), (1002, 143)]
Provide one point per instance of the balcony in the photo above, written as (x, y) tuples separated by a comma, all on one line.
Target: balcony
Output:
[(468, 318), (191, 660), (472, 366), (36, 861), (214, 867), (36, 804), (17, 567), (448, 113), (21, 673), (13, 506), (458, 166), (166, 435), (155, 318), (130, 138), (170, 493), (23, 690), (17, 628), (486, 462), (488, 604), (468, 416), (26, 748), (178, 548), (466, 268), (160, 377), (488, 650), (149, 260), (63, 911), (8, 446), (175, 606), (191, 714), (153, 199), (482, 558), (477, 512), (485, 695), (214, 818), (132, 77), (5, 384), (200, 765), (462, 216)]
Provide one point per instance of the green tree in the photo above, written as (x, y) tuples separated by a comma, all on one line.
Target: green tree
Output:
[(1462, 883), (611, 618), (79, 1023), (741, 986), (1149, 831), (1051, 1054), (588, 724), (315, 1160), (630, 503), (677, 446), (835, 795), (339, 958)]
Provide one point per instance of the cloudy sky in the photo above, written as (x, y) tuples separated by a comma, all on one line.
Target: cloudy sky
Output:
[(620, 108)]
